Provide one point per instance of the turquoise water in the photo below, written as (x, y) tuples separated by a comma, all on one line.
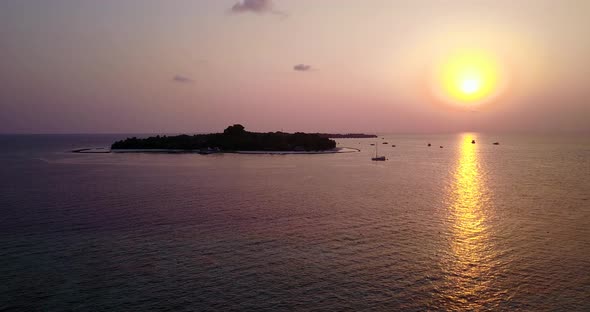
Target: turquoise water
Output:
[(464, 227)]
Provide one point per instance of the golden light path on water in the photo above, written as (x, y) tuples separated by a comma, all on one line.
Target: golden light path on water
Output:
[(468, 264)]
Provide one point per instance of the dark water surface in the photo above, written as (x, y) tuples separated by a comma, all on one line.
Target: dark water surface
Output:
[(465, 227)]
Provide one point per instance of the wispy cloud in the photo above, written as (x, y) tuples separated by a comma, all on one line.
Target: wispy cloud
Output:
[(302, 67), (256, 6), (181, 79)]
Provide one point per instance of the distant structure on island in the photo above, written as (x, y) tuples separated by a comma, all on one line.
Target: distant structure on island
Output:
[(233, 138), (346, 136)]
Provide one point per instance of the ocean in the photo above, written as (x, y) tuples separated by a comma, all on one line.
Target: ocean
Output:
[(464, 227)]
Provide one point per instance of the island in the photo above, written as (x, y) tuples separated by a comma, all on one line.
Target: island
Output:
[(347, 135), (233, 139)]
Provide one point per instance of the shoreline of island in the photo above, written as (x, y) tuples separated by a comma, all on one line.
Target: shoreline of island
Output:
[(102, 150)]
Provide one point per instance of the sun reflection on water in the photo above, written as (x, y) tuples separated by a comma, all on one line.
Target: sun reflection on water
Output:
[(467, 265)]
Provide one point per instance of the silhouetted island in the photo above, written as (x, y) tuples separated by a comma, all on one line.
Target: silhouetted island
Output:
[(233, 138), (347, 136)]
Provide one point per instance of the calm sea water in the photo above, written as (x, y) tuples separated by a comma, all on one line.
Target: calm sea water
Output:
[(465, 227)]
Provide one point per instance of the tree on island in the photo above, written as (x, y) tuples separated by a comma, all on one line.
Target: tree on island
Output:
[(236, 129)]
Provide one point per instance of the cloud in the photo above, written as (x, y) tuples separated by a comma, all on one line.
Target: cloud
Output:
[(181, 79), (302, 67), (256, 6)]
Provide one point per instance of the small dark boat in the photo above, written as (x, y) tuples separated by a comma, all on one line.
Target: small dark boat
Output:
[(429, 144), (385, 143), (496, 143), (372, 144), (393, 145), (472, 141), (208, 150), (378, 158), (441, 146)]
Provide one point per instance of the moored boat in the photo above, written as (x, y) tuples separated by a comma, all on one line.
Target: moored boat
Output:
[(378, 158)]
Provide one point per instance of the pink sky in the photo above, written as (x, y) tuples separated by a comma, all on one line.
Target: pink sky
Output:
[(70, 66)]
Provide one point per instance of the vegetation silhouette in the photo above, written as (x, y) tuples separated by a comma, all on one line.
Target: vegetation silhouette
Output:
[(347, 136), (233, 138)]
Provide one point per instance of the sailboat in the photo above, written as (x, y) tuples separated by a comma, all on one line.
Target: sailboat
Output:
[(378, 158)]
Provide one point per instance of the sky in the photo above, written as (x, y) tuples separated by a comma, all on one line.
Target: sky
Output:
[(153, 66)]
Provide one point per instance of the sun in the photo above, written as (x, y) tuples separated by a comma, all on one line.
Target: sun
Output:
[(470, 85), (467, 78)]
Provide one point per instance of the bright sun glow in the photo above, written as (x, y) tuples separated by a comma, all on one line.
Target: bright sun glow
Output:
[(467, 78), (470, 85)]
